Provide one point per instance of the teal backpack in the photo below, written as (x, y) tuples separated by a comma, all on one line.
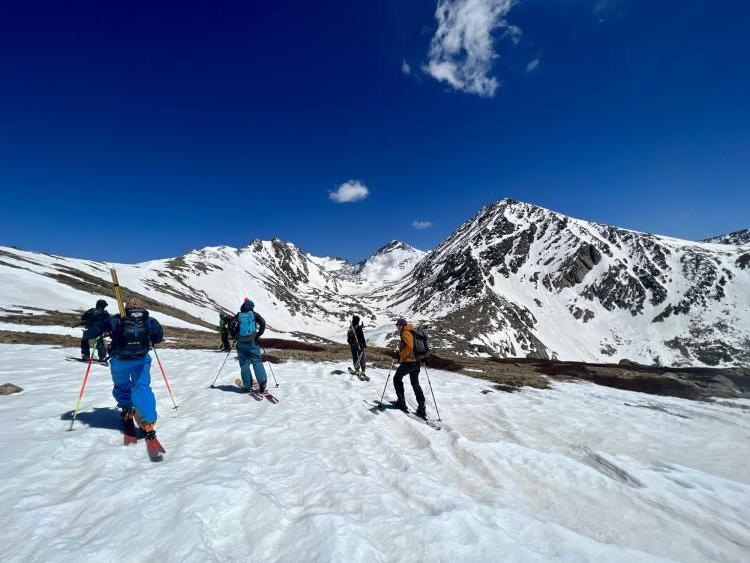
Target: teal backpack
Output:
[(247, 327)]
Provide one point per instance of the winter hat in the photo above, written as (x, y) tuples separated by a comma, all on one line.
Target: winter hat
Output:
[(101, 304), (134, 303), (355, 320), (247, 305), (401, 322)]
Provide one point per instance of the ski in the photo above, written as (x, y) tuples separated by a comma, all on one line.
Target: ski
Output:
[(154, 449), (360, 376), (129, 431), (267, 395), (104, 362), (392, 406), (253, 393)]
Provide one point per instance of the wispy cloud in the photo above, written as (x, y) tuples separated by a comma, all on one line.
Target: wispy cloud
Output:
[(532, 65), (462, 49), (421, 225), (349, 192), (405, 68)]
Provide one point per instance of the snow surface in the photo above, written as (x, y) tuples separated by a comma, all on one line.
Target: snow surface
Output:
[(576, 473), (49, 329)]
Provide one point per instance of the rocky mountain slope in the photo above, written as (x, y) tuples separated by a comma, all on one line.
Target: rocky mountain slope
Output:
[(522, 280), (736, 238), (515, 280)]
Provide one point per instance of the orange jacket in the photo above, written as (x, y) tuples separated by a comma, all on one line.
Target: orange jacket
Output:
[(406, 345)]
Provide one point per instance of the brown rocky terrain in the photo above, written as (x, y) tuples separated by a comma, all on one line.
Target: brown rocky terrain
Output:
[(506, 374)]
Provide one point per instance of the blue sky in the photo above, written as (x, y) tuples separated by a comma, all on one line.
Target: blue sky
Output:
[(137, 130)]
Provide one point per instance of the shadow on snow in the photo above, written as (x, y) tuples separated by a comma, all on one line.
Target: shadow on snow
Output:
[(104, 417)]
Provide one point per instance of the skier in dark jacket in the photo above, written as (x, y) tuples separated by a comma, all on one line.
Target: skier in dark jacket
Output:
[(355, 337), (130, 364), (247, 327), (409, 366), (96, 325), (224, 321)]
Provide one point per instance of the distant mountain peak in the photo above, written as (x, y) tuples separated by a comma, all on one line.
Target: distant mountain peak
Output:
[(394, 245), (735, 238)]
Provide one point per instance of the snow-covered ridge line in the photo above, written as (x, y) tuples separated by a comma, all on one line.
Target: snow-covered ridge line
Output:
[(514, 280)]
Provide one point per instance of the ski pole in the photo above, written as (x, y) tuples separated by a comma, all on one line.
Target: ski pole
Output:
[(393, 361), (263, 353), (164, 374), (222, 365), (80, 394), (431, 391), (358, 365)]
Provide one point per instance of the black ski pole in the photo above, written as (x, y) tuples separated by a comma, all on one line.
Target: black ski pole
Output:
[(431, 391), (263, 352), (222, 365), (393, 361)]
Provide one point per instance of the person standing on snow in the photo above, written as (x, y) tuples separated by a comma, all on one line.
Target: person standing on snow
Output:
[(224, 321), (130, 364), (409, 366), (96, 325), (356, 339), (247, 327)]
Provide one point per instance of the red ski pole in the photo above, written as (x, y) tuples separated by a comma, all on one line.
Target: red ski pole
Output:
[(164, 374), (80, 394)]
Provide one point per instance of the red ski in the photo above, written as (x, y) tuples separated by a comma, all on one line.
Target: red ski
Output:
[(154, 448), (253, 393), (128, 430)]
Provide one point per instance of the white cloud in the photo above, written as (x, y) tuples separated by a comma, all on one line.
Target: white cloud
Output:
[(532, 65), (349, 192), (462, 49), (405, 68), (421, 225)]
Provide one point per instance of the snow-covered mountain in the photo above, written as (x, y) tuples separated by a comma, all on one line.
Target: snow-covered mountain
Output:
[(523, 280), (736, 238), (298, 294), (515, 280)]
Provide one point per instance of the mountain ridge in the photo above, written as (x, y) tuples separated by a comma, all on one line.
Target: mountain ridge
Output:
[(516, 279)]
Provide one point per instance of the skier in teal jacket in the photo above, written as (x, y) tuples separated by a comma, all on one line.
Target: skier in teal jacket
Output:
[(247, 327)]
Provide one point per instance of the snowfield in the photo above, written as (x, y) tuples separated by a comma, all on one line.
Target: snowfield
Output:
[(575, 473)]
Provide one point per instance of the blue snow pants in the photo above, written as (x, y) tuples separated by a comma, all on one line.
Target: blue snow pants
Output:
[(132, 379), (249, 353)]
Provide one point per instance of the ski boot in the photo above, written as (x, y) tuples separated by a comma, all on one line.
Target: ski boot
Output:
[(401, 405), (262, 387), (421, 412)]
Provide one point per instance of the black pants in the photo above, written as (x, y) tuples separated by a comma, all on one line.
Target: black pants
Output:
[(357, 360), (100, 348), (412, 370), (225, 341)]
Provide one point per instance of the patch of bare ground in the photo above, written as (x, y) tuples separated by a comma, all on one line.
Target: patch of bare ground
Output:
[(15, 337), (507, 374), (83, 281), (686, 383)]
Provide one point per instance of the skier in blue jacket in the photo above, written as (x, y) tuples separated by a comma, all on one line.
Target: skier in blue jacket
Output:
[(247, 326), (130, 364)]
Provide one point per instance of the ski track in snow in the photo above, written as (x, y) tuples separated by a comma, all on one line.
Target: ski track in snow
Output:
[(575, 473)]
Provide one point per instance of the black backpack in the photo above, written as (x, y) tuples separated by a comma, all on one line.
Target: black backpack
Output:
[(132, 337), (421, 344)]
